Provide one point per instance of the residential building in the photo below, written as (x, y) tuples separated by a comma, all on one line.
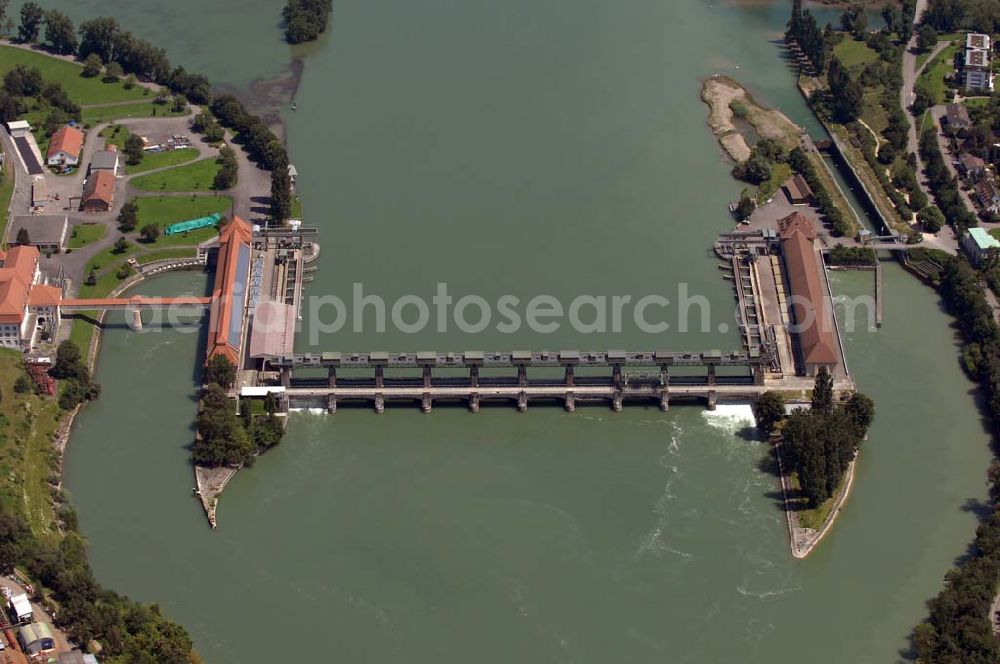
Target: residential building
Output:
[(986, 191), (36, 638), (65, 147), (977, 243), (977, 62), (99, 192), (970, 166), (105, 160), (48, 232), (809, 304), (957, 116)]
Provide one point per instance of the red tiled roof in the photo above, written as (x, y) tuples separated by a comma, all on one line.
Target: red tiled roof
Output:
[(15, 282), (100, 187), (796, 221), (43, 295), (809, 302), (66, 139), (226, 304)]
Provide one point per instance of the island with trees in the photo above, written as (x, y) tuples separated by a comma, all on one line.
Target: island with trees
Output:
[(815, 449), (306, 20)]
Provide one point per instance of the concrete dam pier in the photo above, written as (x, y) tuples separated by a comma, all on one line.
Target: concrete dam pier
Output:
[(475, 377)]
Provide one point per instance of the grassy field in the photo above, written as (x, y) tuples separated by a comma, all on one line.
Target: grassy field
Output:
[(873, 112), (933, 76), (779, 174), (27, 459), (153, 160), (193, 177), (166, 210), (106, 257), (146, 109), (118, 134), (82, 90), (6, 190), (84, 234), (949, 37), (854, 54), (164, 254), (82, 331), (816, 517)]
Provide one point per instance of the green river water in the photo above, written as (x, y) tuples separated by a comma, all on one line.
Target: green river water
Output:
[(520, 147)]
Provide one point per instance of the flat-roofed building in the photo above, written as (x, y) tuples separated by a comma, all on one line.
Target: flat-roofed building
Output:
[(976, 67), (19, 128), (977, 243), (105, 160), (48, 232)]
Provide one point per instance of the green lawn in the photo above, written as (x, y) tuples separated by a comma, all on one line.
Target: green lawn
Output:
[(6, 190), (853, 53), (873, 112), (779, 173), (153, 160), (84, 234), (164, 254), (949, 37), (82, 90), (193, 177), (976, 102), (933, 76), (166, 210), (82, 331), (296, 208), (145, 109), (106, 257)]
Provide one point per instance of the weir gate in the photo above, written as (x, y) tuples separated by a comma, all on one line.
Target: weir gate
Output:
[(473, 377)]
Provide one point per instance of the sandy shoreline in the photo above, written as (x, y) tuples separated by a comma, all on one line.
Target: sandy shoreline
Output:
[(721, 94)]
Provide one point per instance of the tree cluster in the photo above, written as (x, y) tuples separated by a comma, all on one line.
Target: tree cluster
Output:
[(225, 178), (943, 185), (254, 134), (804, 30), (846, 95), (955, 15), (127, 631), (225, 438), (77, 385), (832, 215), (756, 169), (843, 255), (819, 444), (957, 628), (22, 85), (306, 20)]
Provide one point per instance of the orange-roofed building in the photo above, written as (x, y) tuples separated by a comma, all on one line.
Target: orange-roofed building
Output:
[(65, 147), (99, 192), (229, 294), (809, 302), (43, 302), (17, 276)]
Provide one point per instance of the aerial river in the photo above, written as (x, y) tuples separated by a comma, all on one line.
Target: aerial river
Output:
[(519, 147)]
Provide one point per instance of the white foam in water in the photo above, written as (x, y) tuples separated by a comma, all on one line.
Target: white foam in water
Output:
[(311, 411), (730, 418)]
